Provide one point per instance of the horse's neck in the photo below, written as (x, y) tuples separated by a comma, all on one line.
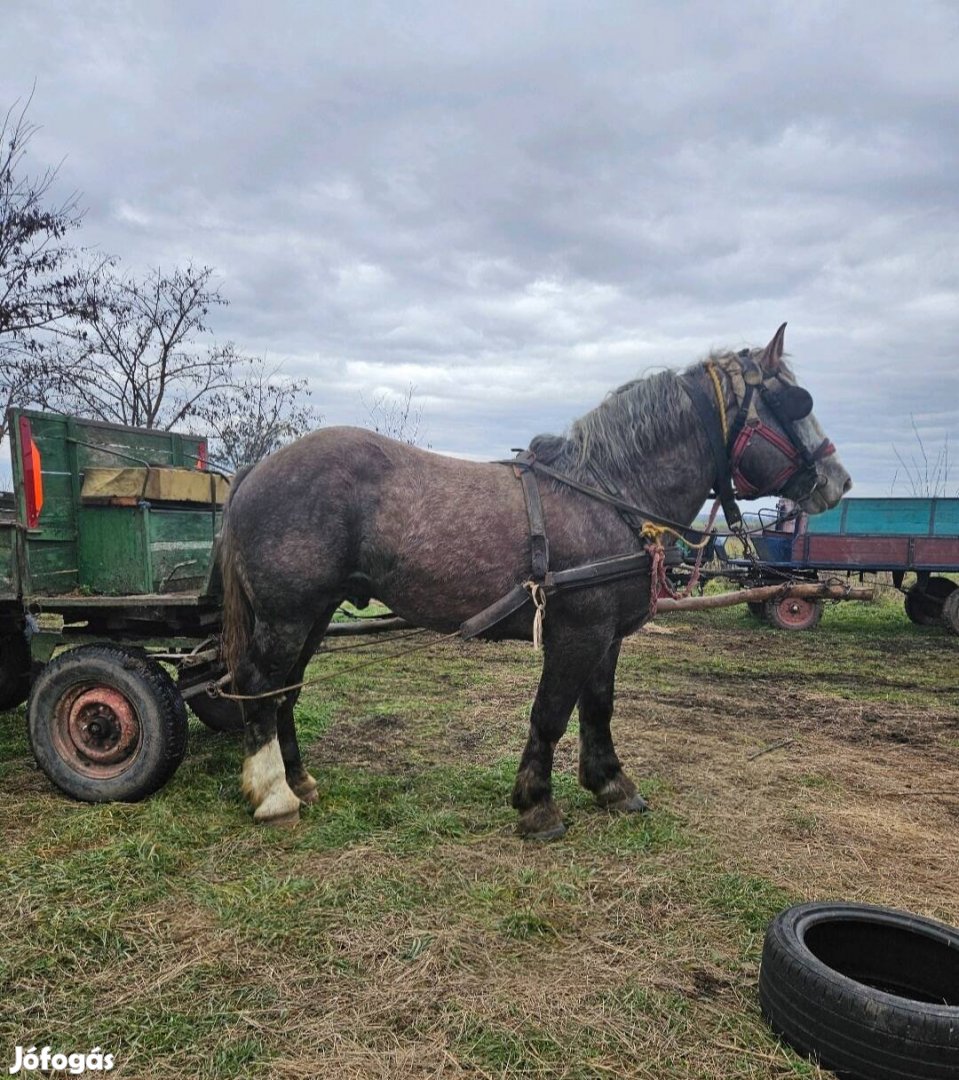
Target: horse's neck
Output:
[(673, 479), (670, 484)]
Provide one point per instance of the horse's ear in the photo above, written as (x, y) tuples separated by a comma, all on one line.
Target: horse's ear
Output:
[(772, 357)]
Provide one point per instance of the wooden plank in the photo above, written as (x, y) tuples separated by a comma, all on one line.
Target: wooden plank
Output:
[(137, 601), (156, 485), (763, 593)]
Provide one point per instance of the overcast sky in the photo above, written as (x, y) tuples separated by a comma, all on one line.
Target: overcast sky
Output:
[(515, 207)]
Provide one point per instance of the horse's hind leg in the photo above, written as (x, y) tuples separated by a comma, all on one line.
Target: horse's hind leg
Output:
[(600, 770), (272, 656), (301, 783)]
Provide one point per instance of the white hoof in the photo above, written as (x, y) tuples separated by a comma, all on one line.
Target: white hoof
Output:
[(264, 784)]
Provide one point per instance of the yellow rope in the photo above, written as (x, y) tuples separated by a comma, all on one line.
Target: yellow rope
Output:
[(720, 399), (653, 531)]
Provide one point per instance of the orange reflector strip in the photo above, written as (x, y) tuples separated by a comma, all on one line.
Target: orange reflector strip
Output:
[(32, 474)]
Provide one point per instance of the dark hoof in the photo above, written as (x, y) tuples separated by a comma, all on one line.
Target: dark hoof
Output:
[(556, 832), (542, 822), (635, 804), (305, 790)]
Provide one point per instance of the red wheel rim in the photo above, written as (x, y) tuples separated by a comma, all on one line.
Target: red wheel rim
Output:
[(96, 731), (795, 612)]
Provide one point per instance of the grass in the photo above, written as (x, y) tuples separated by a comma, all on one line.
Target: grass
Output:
[(403, 930)]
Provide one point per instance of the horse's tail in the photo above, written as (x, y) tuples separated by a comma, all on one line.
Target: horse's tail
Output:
[(237, 626)]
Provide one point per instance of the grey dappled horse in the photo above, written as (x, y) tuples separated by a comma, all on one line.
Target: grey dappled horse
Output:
[(346, 513)]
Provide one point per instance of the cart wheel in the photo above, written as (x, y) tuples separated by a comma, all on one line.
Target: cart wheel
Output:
[(106, 725), (14, 670), (793, 613), (757, 609), (950, 612), (219, 714), (924, 605)]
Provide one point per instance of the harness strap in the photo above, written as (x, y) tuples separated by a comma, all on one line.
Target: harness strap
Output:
[(538, 543), (694, 536), (600, 572), (634, 523), (543, 581), (496, 612), (723, 483)]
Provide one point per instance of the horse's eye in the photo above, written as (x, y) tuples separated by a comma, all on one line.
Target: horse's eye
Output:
[(792, 402)]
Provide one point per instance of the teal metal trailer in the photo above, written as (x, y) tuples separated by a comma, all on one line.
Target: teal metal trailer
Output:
[(867, 535)]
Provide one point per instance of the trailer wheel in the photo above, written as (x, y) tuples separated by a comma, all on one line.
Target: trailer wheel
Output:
[(872, 992), (106, 724), (14, 670), (924, 605), (793, 613), (950, 612)]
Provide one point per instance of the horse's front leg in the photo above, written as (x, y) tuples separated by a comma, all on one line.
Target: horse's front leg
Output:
[(564, 673), (600, 770)]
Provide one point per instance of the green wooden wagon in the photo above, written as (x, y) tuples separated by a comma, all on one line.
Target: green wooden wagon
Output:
[(107, 584)]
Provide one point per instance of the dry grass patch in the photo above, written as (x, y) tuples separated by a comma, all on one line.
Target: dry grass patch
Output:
[(404, 931)]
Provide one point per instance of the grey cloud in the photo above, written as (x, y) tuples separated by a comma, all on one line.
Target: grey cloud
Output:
[(518, 207)]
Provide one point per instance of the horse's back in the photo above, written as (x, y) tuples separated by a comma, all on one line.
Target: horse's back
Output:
[(438, 537)]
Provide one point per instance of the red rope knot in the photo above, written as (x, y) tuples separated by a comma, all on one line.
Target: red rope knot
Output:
[(659, 583)]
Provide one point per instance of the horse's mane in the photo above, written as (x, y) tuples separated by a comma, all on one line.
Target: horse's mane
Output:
[(627, 425)]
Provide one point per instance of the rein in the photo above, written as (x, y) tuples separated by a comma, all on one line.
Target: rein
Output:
[(526, 459)]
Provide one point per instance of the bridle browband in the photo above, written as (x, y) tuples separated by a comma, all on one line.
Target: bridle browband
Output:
[(729, 442)]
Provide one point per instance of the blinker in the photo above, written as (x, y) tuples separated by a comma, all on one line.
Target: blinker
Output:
[(793, 402)]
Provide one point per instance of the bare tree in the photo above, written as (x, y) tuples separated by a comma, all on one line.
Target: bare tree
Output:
[(39, 280), (261, 412), (926, 477), (397, 418), (138, 358)]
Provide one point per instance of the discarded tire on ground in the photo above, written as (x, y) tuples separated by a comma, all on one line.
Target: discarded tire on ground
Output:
[(106, 724), (871, 992), (950, 612)]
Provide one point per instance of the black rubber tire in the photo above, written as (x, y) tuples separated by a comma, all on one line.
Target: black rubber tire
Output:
[(924, 605), (152, 700), (950, 612), (871, 992), (758, 610), (794, 613), (217, 713), (14, 670)]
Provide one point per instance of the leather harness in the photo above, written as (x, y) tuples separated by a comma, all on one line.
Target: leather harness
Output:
[(727, 447), (615, 568)]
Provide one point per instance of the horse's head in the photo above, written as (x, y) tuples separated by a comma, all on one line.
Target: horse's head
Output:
[(775, 444)]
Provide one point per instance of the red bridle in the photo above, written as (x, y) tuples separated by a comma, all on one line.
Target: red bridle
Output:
[(798, 458)]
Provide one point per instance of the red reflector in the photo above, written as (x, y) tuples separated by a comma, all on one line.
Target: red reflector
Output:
[(201, 459), (32, 474)]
